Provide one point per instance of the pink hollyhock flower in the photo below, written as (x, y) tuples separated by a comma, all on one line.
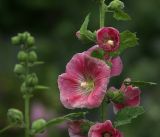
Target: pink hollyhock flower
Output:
[(74, 128), (85, 82), (117, 64), (105, 129), (131, 97), (108, 38)]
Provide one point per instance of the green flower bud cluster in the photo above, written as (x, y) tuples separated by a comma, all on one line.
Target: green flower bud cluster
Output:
[(23, 39), (27, 58), (15, 117)]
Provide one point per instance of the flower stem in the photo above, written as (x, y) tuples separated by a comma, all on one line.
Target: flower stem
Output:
[(27, 116), (6, 128), (102, 13)]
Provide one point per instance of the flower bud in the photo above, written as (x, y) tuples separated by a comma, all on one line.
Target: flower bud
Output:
[(22, 56), (15, 116), (115, 96), (19, 69), (15, 40), (115, 5), (32, 80), (30, 41), (38, 125), (23, 88), (32, 56)]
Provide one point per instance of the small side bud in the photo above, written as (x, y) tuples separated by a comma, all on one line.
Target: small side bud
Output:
[(115, 96), (15, 116), (38, 125), (30, 41), (15, 40), (19, 69), (22, 56), (32, 80), (115, 5), (32, 56)]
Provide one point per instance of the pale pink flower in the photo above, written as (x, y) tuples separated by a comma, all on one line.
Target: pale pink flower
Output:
[(131, 97), (74, 128), (117, 65), (108, 38), (105, 129), (85, 82)]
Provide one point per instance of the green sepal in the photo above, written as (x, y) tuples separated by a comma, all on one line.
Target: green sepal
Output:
[(99, 53), (84, 33), (126, 115), (128, 40)]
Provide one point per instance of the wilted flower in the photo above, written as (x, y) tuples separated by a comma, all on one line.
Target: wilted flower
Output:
[(85, 82), (131, 97), (75, 128), (117, 65), (104, 130), (108, 39)]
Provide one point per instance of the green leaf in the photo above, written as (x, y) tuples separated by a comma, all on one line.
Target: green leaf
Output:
[(85, 34), (85, 24), (128, 40), (140, 83), (121, 15), (126, 115)]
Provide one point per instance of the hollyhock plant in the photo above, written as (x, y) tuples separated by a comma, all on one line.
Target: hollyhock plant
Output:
[(108, 38), (75, 130), (131, 97), (85, 82), (117, 65), (105, 129)]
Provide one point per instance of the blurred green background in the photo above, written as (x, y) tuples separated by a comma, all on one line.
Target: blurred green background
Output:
[(54, 23)]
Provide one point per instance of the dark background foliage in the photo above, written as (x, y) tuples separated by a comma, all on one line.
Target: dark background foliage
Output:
[(54, 23)]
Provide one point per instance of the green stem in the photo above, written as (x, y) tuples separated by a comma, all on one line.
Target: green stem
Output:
[(6, 128), (27, 116), (102, 13), (58, 120)]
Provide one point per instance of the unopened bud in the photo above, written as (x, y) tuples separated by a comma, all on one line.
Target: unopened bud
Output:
[(38, 125), (30, 41), (15, 116), (23, 88), (19, 69), (32, 56), (22, 56), (115, 5), (32, 80), (15, 40), (115, 96)]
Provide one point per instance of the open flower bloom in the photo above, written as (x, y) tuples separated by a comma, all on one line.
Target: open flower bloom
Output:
[(108, 38), (85, 82), (104, 130), (131, 97), (74, 128), (117, 64)]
